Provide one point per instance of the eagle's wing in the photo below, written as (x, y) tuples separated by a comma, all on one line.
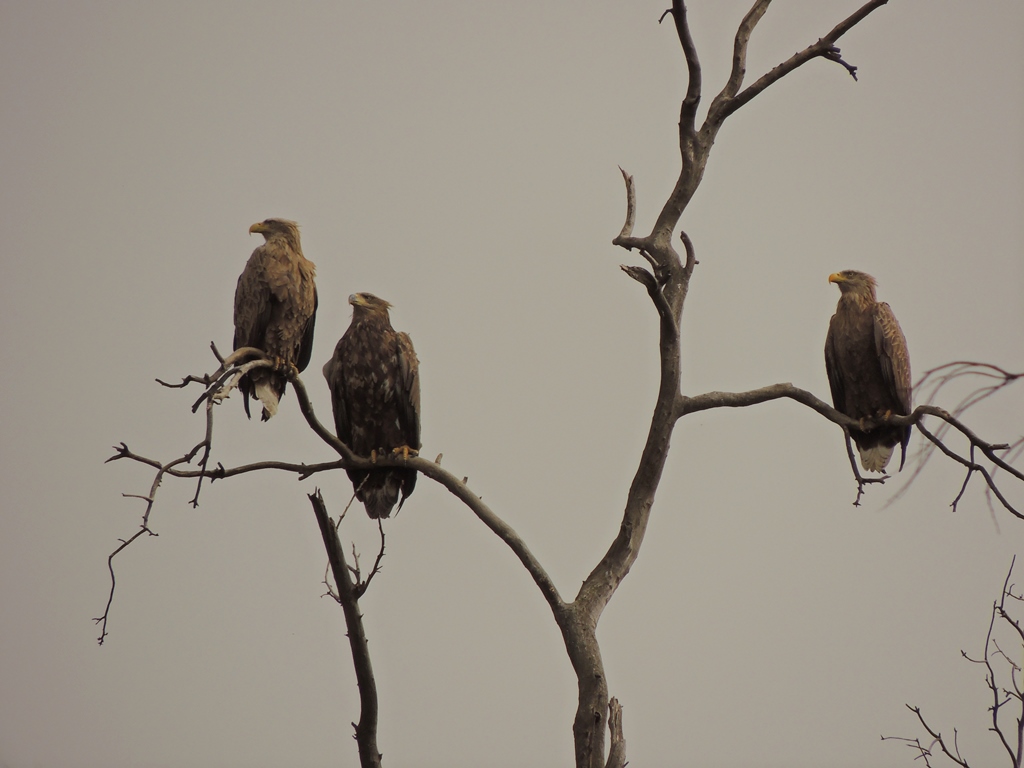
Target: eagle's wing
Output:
[(253, 311), (893, 355), (252, 303), (835, 378), (306, 345), (407, 389), (334, 372)]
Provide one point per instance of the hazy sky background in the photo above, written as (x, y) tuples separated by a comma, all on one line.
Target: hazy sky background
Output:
[(459, 159)]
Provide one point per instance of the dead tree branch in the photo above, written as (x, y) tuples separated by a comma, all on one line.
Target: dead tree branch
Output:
[(150, 499), (216, 384), (361, 584), (686, 405), (348, 596), (1013, 745), (942, 379), (617, 738), (731, 98)]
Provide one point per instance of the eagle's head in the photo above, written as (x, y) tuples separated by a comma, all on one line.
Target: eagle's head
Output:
[(270, 227), (852, 281), (367, 304)]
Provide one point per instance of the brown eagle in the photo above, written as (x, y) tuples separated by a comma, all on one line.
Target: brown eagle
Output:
[(868, 367), (375, 393), (275, 310)]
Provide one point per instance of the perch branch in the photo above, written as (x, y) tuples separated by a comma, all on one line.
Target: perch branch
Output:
[(686, 405), (349, 460)]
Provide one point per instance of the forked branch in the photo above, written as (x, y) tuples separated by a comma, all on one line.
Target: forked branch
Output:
[(686, 405), (732, 98), (695, 145), (219, 384), (1003, 687)]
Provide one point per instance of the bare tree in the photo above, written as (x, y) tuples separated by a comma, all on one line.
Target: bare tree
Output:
[(1003, 678), (666, 279)]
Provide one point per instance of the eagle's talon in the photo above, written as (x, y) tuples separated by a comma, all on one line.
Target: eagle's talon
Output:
[(405, 452)]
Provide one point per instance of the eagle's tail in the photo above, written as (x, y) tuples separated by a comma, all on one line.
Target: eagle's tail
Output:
[(267, 394), (876, 457), (877, 446), (268, 388), (379, 489)]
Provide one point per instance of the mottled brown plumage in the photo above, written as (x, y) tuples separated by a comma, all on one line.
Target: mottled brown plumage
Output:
[(275, 310), (375, 392), (868, 367)]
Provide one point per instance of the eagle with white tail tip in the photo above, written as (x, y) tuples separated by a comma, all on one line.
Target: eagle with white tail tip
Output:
[(375, 393), (868, 368), (275, 310)]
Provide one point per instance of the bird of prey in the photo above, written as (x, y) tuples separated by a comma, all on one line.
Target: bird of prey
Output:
[(375, 393), (275, 310), (868, 368)]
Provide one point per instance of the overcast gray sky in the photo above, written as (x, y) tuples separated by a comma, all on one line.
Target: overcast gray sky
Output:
[(459, 159)]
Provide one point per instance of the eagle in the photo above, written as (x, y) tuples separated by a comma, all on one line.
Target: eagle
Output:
[(375, 394), (868, 368), (275, 310)]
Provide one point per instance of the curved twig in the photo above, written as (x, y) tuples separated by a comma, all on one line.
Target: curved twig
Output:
[(363, 584), (150, 499), (627, 226), (971, 468)]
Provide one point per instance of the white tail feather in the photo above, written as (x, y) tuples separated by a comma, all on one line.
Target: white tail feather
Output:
[(875, 459), (265, 394)]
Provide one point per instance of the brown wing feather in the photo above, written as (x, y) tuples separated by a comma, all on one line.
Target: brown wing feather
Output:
[(835, 379), (893, 355), (306, 345), (289, 279), (407, 390), (334, 372), (252, 304), (252, 315)]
